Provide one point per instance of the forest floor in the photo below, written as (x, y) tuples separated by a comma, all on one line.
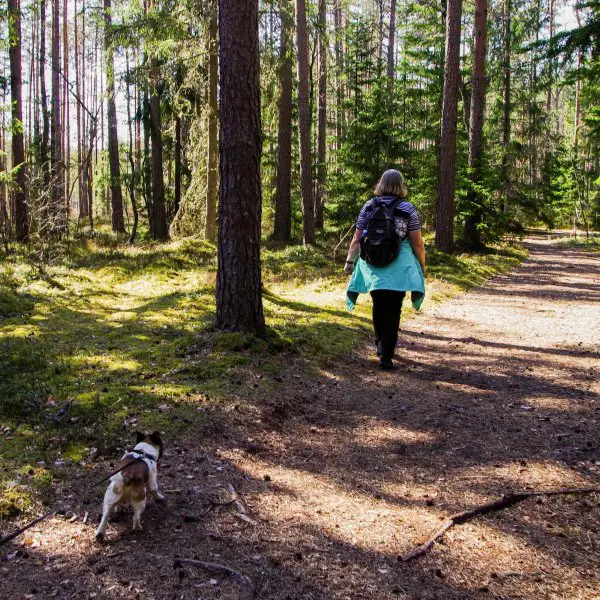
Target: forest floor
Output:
[(314, 482)]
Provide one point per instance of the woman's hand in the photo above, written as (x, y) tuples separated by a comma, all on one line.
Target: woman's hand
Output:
[(348, 268), (353, 252)]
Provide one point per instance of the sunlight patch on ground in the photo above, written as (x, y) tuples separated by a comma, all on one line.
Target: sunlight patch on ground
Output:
[(306, 499), (106, 362), (375, 433)]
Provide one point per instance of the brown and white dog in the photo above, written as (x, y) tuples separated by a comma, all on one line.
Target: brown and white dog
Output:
[(138, 477)]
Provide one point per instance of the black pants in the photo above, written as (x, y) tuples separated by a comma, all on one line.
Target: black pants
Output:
[(387, 305)]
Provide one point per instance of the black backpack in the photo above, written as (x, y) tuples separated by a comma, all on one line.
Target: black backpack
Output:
[(380, 245)]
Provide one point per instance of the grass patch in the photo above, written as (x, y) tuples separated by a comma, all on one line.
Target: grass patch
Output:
[(127, 342), (463, 271)]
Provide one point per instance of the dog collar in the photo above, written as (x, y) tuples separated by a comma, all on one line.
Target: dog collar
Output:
[(141, 455)]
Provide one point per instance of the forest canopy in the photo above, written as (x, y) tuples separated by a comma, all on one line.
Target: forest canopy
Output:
[(110, 114)]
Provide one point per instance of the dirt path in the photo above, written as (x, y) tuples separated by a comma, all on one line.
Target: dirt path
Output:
[(338, 476)]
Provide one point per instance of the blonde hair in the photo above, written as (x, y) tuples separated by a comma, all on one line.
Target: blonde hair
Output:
[(391, 184)]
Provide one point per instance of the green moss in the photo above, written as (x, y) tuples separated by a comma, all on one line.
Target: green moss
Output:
[(128, 342), (14, 500)]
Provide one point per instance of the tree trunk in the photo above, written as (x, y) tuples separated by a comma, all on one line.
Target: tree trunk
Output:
[(146, 163), (308, 206), (339, 60), (66, 113), (283, 207), (132, 178), (44, 157), (551, 61), (5, 229), (322, 117), (212, 170), (57, 213), (472, 234), (178, 166), (118, 224), (444, 230), (159, 215), (239, 299), (577, 95), (391, 42), (506, 110), (18, 148)]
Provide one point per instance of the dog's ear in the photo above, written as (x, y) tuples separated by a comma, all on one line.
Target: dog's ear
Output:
[(139, 437), (155, 438)]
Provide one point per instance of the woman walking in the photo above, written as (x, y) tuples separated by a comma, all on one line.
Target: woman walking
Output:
[(391, 263)]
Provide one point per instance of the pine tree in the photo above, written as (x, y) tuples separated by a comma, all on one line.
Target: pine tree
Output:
[(444, 226), (239, 293), (18, 148), (308, 205), (118, 224)]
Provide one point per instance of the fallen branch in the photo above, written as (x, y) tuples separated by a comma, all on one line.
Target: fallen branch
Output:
[(18, 532), (246, 584), (506, 501)]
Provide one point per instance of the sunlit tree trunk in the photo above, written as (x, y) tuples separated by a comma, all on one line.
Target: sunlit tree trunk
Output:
[(322, 117), (308, 205), (577, 95), (239, 299), (66, 117), (58, 186), (130, 156), (159, 215), (118, 224), (391, 42), (444, 230), (178, 165), (18, 148), (551, 61), (472, 233), (339, 61), (212, 171), (506, 108), (283, 209), (44, 157)]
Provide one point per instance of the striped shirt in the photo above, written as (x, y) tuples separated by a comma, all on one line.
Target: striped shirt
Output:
[(413, 222)]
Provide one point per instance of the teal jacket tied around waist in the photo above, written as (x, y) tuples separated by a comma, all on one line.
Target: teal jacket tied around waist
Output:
[(402, 275)]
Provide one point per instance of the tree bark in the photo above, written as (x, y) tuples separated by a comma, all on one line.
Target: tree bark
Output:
[(57, 213), (551, 61), (44, 156), (506, 109), (283, 207), (391, 42), (239, 287), (178, 165), (339, 60), (118, 224), (159, 215), (212, 170), (308, 205), (577, 95), (18, 148), (472, 234), (322, 118), (66, 116), (132, 178), (444, 230)]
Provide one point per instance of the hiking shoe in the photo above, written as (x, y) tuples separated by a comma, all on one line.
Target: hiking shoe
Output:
[(386, 365)]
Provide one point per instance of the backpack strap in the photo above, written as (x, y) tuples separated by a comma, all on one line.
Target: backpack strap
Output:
[(375, 202)]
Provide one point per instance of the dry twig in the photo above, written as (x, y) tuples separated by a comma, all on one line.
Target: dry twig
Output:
[(506, 501)]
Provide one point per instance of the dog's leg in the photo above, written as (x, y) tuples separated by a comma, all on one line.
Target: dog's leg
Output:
[(138, 508), (111, 499), (153, 486)]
